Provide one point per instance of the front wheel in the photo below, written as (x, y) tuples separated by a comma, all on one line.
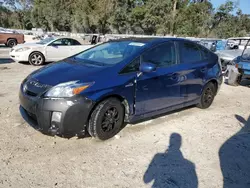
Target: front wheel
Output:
[(207, 96), (36, 59), (239, 79), (107, 119)]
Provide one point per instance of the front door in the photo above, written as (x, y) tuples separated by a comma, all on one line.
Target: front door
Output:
[(160, 89), (58, 50)]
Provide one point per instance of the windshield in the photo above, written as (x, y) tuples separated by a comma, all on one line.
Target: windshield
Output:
[(46, 40), (109, 53)]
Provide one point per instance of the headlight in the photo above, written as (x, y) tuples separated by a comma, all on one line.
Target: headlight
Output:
[(22, 49), (67, 89)]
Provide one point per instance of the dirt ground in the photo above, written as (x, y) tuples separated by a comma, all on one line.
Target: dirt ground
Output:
[(139, 157)]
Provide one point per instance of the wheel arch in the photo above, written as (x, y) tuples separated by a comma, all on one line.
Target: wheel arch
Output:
[(214, 81), (38, 52), (123, 101), (12, 39)]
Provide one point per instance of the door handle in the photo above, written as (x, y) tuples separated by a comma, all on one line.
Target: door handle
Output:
[(203, 69), (174, 76)]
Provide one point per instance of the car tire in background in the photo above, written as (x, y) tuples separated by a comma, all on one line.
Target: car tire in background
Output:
[(107, 119), (36, 59), (207, 96), (11, 42)]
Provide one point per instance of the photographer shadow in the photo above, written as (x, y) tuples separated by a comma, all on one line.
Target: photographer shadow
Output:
[(171, 169), (234, 157)]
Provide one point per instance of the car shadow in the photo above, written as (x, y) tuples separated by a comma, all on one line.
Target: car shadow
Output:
[(234, 157), (4, 47), (6, 60), (162, 115), (170, 169)]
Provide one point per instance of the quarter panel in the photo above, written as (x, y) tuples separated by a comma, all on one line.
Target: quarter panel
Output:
[(121, 85)]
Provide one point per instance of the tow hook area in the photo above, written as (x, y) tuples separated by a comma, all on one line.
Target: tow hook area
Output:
[(53, 130)]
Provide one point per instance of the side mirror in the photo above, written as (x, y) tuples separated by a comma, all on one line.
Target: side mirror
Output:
[(147, 67)]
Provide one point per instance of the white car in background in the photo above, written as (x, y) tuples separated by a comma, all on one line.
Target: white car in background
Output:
[(47, 50)]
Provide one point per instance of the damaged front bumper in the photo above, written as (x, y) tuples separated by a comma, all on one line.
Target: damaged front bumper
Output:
[(64, 116)]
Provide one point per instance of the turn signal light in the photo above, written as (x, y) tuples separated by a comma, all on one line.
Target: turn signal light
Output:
[(79, 89)]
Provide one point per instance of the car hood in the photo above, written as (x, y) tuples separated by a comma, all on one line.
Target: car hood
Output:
[(28, 45), (229, 54), (65, 71)]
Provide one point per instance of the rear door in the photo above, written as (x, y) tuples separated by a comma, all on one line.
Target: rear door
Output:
[(59, 49), (75, 47), (159, 89), (194, 61)]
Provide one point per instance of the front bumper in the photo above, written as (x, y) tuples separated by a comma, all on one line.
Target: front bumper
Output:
[(19, 56), (74, 113), (245, 73)]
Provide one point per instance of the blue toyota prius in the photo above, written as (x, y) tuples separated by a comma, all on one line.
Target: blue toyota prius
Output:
[(119, 81)]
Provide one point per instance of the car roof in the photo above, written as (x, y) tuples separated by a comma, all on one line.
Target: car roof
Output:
[(65, 37), (239, 38), (150, 40)]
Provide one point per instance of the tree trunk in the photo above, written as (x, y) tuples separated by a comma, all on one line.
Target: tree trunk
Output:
[(173, 18)]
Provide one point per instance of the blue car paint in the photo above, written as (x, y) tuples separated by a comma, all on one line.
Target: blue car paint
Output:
[(221, 45), (152, 93), (244, 67)]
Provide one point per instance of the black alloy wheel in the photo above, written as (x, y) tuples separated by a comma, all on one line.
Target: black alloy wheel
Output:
[(110, 119), (107, 119), (207, 96)]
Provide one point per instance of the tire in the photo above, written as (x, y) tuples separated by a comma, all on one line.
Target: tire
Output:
[(207, 96), (11, 42), (107, 119), (239, 79), (36, 59)]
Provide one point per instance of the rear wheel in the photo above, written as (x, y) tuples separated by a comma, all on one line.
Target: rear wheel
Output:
[(207, 96), (107, 119), (36, 58), (11, 42)]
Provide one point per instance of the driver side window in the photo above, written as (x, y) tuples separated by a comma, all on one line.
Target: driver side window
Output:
[(61, 42)]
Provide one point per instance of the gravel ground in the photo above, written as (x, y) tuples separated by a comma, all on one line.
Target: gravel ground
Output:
[(205, 146)]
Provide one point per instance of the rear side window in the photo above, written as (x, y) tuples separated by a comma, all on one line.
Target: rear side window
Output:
[(162, 55), (205, 54), (61, 42), (189, 52), (75, 42)]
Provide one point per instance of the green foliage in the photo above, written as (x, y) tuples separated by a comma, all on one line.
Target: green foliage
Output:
[(195, 18), (4, 17)]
